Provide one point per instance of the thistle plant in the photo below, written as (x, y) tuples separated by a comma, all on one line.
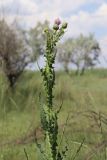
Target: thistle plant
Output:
[(49, 116)]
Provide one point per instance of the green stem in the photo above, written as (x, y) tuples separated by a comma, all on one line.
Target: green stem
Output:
[(48, 115)]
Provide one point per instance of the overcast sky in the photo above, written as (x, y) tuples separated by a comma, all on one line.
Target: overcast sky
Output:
[(83, 16)]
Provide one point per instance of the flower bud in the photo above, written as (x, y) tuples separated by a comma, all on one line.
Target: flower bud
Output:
[(55, 27), (46, 30), (57, 21), (64, 25)]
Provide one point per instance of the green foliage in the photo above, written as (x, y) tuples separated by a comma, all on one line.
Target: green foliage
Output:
[(86, 93), (37, 39), (83, 52), (14, 52)]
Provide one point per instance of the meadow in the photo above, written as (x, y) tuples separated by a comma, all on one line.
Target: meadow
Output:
[(82, 119)]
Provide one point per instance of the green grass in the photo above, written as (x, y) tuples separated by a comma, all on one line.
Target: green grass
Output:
[(80, 95)]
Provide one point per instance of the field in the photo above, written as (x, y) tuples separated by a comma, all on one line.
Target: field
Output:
[(82, 119)]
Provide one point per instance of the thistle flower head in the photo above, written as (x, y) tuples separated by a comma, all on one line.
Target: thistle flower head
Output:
[(57, 21)]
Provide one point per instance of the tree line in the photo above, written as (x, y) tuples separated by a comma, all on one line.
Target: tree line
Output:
[(19, 47)]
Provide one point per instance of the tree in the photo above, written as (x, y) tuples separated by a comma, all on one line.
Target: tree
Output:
[(82, 51), (37, 39), (14, 53), (65, 51), (89, 51)]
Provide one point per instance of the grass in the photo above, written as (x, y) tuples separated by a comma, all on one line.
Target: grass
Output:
[(84, 99)]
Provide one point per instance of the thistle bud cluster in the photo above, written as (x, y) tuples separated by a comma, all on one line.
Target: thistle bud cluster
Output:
[(57, 24)]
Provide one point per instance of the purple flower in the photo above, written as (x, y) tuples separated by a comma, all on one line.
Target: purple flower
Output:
[(57, 21)]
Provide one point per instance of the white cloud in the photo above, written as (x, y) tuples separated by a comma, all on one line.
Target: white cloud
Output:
[(46, 8), (23, 7), (34, 10), (29, 5), (85, 22), (102, 11), (65, 5), (5, 2), (31, 11)]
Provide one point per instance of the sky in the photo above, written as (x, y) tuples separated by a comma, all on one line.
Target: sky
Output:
[(83, 16)]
